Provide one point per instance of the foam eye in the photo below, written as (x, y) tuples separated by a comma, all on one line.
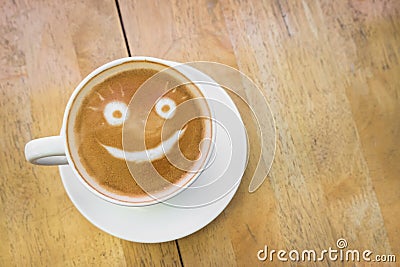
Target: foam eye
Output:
[(165, 108), (115, 113)]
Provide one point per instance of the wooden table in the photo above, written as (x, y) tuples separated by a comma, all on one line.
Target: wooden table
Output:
[(329, 69)]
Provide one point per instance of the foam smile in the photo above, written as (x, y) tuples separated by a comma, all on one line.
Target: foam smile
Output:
[(155, 153)]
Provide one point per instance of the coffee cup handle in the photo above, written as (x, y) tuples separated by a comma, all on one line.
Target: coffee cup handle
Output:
[(46, 151)]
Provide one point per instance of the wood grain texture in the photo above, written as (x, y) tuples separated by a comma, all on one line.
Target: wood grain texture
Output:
[(330, 71), (47, 47), (320, 186)]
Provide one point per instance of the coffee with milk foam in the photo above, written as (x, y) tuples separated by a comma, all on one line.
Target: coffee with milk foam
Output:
[(103, 113)]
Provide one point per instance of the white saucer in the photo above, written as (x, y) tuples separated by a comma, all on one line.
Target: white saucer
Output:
[(162, 222)]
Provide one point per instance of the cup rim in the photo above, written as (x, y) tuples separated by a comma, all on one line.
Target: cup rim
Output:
[(75, 94)]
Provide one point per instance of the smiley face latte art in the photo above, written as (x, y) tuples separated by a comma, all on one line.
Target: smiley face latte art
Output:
[(100, 122)]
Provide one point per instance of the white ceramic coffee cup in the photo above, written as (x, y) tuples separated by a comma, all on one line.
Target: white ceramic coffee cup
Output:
[(53, 150)]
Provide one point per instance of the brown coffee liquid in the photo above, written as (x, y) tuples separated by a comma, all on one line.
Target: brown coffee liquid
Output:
[(94, 130)]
